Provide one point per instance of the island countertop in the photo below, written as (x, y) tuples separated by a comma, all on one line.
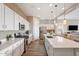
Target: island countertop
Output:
[(61, 42)]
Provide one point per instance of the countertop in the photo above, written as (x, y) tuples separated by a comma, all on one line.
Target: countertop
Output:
[(61, 42), (9, 43)]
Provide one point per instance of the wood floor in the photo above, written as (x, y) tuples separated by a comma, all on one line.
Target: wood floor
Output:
[(36, 48)]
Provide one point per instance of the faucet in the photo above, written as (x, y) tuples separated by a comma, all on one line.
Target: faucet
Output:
[(0, 42), (8, 37)]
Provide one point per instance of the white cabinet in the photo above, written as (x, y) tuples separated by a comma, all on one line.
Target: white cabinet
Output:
[(19, 48), (7, 51), (53, 51), (9, 18), (26, 24), (6, 18), (63, 52), (21, 20), (30, 38), (16, 52), (49, 48), (22, 47), (17, 21), (1, 16), (15, 49), (76, 51)]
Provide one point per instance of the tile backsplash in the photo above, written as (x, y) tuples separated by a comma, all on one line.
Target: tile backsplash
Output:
[(3, 34)]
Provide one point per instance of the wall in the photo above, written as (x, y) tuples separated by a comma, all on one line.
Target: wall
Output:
[(72, 22), (3, 33), (47, 23), (36, 28), (64, 28), (30, 20)]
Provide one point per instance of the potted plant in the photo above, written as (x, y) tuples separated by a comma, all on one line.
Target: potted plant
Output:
[(8, 37)]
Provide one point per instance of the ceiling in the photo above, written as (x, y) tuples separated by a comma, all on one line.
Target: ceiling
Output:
[(74, 15), (45, 11)]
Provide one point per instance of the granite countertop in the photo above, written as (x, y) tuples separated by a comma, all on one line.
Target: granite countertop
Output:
[(9, 43), (61, 42)]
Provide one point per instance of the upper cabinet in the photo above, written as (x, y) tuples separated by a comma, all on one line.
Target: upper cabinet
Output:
[(16, 21), (1, 17), (9, 18), (25, 22)]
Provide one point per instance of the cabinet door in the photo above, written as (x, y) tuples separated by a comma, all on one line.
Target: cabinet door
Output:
[(22, 47), (50, 50), (1, 16), (21, 19), (9, 19), (16, 52), (16, 49), (29, 39), (46, 45), (7, 51), (26, 24), (17, 21)]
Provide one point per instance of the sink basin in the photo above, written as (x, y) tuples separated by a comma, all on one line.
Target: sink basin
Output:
[(2, 41), (49, 37)]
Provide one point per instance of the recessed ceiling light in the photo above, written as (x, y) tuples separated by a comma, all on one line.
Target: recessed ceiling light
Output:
[(56, 24), (50, 5), (56, 5), (38, 16), (49, 15), (50, 18), (63, 8), (51, 11), (38, 8), (54, 16)]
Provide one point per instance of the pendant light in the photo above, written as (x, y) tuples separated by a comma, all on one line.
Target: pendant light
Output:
[(55, 21), (65, 21)]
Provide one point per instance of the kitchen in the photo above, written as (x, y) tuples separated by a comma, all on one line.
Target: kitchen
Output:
[(38, 29)]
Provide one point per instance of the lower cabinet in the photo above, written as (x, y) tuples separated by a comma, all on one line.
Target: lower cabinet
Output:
[(76, 51), (49, 48), (16, 52), (52, 51), (15, 49), (30, 39), (19, 48), (6, 52), (22, 47)]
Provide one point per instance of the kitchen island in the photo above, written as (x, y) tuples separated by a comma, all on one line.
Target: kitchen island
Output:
[(60, 46)]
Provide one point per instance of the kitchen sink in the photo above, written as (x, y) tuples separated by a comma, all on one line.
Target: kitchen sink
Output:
[(2, 41), (49, 36)]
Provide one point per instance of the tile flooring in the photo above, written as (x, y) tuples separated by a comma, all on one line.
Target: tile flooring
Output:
[(36, 48)]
